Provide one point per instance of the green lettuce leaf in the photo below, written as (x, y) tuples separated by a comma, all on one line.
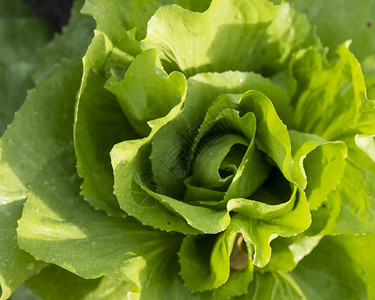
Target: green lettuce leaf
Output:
[(19, 166), (56, 283), (221, 40), (331, 17)]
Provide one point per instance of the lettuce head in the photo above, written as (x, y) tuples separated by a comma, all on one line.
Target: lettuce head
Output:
[(216, 149)]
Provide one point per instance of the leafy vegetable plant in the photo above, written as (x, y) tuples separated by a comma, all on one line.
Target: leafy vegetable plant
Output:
[(208, 150)]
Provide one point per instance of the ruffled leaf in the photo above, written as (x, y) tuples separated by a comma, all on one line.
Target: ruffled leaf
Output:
[(99, 124), (345, 110), (246, 36)]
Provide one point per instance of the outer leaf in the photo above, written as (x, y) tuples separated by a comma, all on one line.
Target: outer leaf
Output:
[(331, 17), (54, 283), (360, 249), (288, 252), (116, 17), (352, 208), (246, 36), (19, 165), (368, 67), (57, 226), (335, 264), (16, 265), (273, 286)]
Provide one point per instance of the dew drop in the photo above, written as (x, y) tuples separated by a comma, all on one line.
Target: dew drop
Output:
[(30, 266)]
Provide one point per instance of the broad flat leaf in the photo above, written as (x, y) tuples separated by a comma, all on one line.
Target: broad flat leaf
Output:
[(273, 286), (59, 227), (360, 249), (54, 283), (330, 272), (19, 165), (332, 18), (16, 265), (17, 42)]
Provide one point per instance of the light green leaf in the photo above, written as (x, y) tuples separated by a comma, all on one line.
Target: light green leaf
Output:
[(351, 205), (172, 144), (210, 157), (147, 91), (246, 36), (272, 136), (203, 219), (322, 164), (116, 17), (99, 124), (204, 260), (330, 271), (206, 264), (16, 265), (288, 252), (345, 110), (360, 249), (262, 222), (131, 168)]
